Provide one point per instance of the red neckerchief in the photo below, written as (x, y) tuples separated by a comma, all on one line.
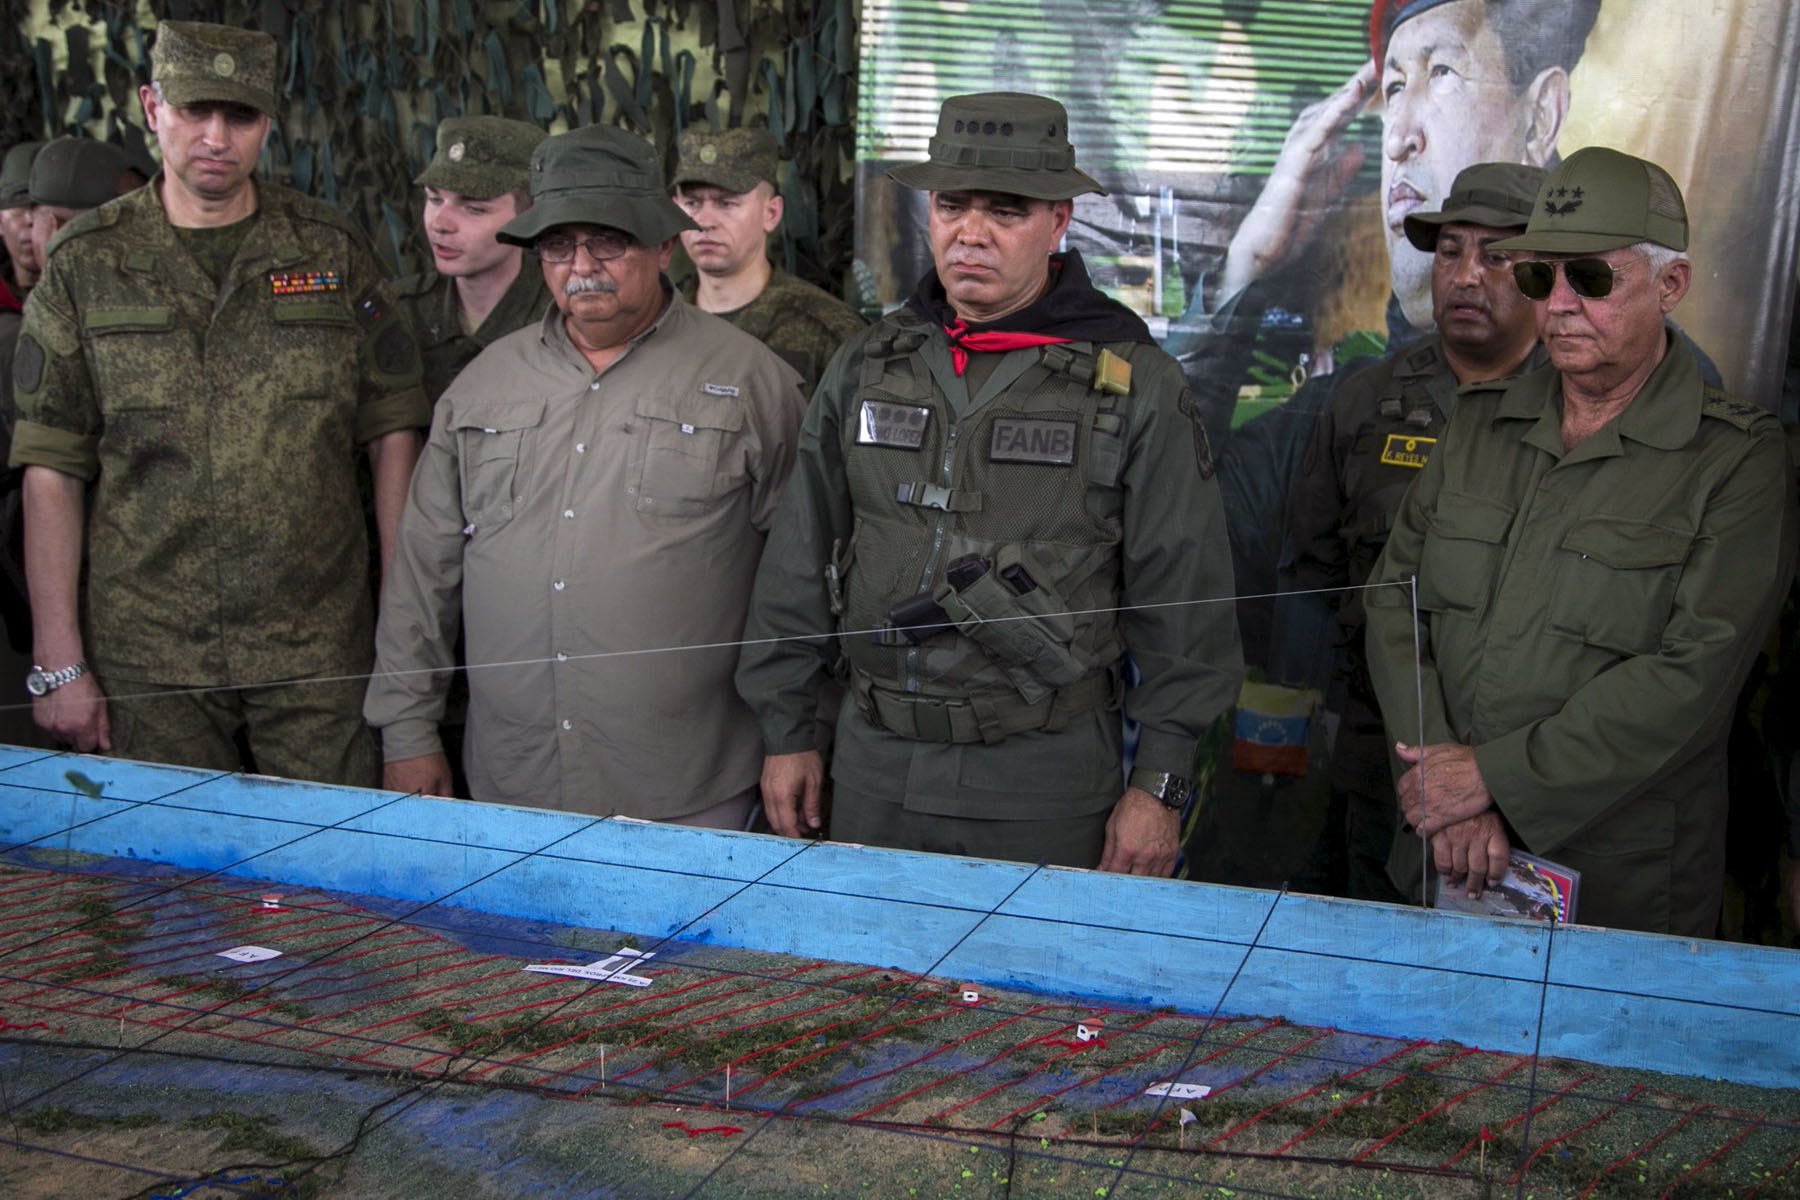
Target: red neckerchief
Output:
[(991, 341)]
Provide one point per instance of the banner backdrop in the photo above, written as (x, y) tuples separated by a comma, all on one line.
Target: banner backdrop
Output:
[(1259, 162)]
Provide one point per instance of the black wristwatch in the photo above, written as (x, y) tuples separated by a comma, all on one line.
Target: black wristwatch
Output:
[(1171, 790), (40, 682)]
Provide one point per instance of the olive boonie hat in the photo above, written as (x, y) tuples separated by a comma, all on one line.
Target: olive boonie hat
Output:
[(15, 175), (1497, 195), (482, 157), (1599, 199), (76, 172), (597, 175), (734, 159), (194, 62), (1009, 142)]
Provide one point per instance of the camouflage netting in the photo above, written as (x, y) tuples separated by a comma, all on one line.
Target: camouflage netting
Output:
[(367, 81)]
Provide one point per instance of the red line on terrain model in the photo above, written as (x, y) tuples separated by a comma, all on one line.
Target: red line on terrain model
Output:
[(1312, 1091), (943, 1079), (1774, 1178), (1055, 1059), (1635, 1090), (1326, 1119), (1636, 1153), (1702, 1164), (1457, 1099)]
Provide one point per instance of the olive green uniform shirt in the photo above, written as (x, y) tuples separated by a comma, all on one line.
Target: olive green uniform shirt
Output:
[(1175, 573), (583, 530), (219, 426), (430, 304), (804, 324), (1587, 618)]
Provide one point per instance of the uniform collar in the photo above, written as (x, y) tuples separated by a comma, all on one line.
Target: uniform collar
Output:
[(1664, 415)]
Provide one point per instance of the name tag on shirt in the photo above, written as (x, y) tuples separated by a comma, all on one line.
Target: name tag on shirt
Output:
[(900, 426), (1404, 450), (1031, 440)]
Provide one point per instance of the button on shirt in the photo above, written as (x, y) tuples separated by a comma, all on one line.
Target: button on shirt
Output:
[(591, 528)]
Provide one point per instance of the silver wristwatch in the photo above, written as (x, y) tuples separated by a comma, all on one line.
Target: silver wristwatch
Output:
[(1172, 790), (41, 682)]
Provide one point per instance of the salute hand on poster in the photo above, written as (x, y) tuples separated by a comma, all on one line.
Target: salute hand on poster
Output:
[(1312, 171)]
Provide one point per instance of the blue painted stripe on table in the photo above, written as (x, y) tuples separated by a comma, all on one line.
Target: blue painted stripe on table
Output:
[(1661, 1003)]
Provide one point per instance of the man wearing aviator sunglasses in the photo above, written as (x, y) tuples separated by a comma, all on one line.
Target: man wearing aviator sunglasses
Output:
[(1599, 551)]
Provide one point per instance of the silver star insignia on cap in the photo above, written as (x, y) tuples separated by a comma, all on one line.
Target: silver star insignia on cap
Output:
[(709, 154), (455, 152), (224, 64)]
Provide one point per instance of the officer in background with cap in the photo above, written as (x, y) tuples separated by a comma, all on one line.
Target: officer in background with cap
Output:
[(202, 360), (725, 182), (474, 292), (595, 486), (1003, 488), (1371, 442), (71, 175), (1600, 550), (19, 274)]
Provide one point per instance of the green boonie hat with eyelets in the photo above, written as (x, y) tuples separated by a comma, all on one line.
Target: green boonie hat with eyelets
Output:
[(734, 159), (77, 172), (1495, 195), (15, 175), (194, 62), (482, 157), (1600, 199), (1009, 142), (597, 175)]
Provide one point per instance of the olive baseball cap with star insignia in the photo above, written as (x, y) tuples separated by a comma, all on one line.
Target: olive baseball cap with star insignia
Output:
[(194, 62), (78, 172), (734, 159), (1601, 199), (597, 175), (15, 175), (482, 157), (1494, 195), (1009, 142)]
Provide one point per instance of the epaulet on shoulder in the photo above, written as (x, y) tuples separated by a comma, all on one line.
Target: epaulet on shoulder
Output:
[(91, 221), (414, 285), (1731, 410), (310, 208)]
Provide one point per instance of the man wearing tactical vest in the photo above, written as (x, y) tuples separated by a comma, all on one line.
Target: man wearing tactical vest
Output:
[(1002, 489), (1369, 444)]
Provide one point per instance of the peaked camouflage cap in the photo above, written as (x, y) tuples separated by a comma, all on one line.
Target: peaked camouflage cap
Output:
[(15, 175), (1497, 195), (734, 159), (482, 157), (78, 172), (1009, 142), (194, 62), (597, 175), (1600, 199)]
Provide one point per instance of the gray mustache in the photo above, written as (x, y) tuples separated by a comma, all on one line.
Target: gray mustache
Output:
[(588, 283)]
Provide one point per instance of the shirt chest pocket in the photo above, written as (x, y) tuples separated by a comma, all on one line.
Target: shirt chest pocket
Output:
[(1615, 583), (688, 453), (1465, 537), (316, 348), (134, 356), (493, 442)]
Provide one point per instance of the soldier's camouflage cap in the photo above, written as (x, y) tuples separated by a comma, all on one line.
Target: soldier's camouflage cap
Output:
[(78, 172), (1600, 199), (194, 62), (1009, 142), (1497, 195), (482, 157), (597, 175), (734, 159), (15, 175)]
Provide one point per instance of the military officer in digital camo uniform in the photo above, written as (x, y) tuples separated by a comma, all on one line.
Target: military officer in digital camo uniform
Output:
[(475, 290), (200, 364), (1369, 445), (725, 182), (1002, 488), (1600, 550)]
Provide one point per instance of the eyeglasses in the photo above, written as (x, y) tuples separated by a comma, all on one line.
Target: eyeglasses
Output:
[(1590, 278), (560, 247)]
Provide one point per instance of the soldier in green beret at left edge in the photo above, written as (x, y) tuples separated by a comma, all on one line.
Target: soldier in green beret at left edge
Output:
[(200, 363), (474, 292)]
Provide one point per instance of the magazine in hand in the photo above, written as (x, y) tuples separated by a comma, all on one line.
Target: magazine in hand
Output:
[(1535, 889)]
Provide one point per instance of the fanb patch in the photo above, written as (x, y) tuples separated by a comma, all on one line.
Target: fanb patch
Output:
[(1030, 440), (1404, 450), (28, 365), (899, 426), (299, 283)]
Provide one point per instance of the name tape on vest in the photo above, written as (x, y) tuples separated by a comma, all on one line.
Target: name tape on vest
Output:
[(900, 426), (1031, 440), (1405, 451)]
